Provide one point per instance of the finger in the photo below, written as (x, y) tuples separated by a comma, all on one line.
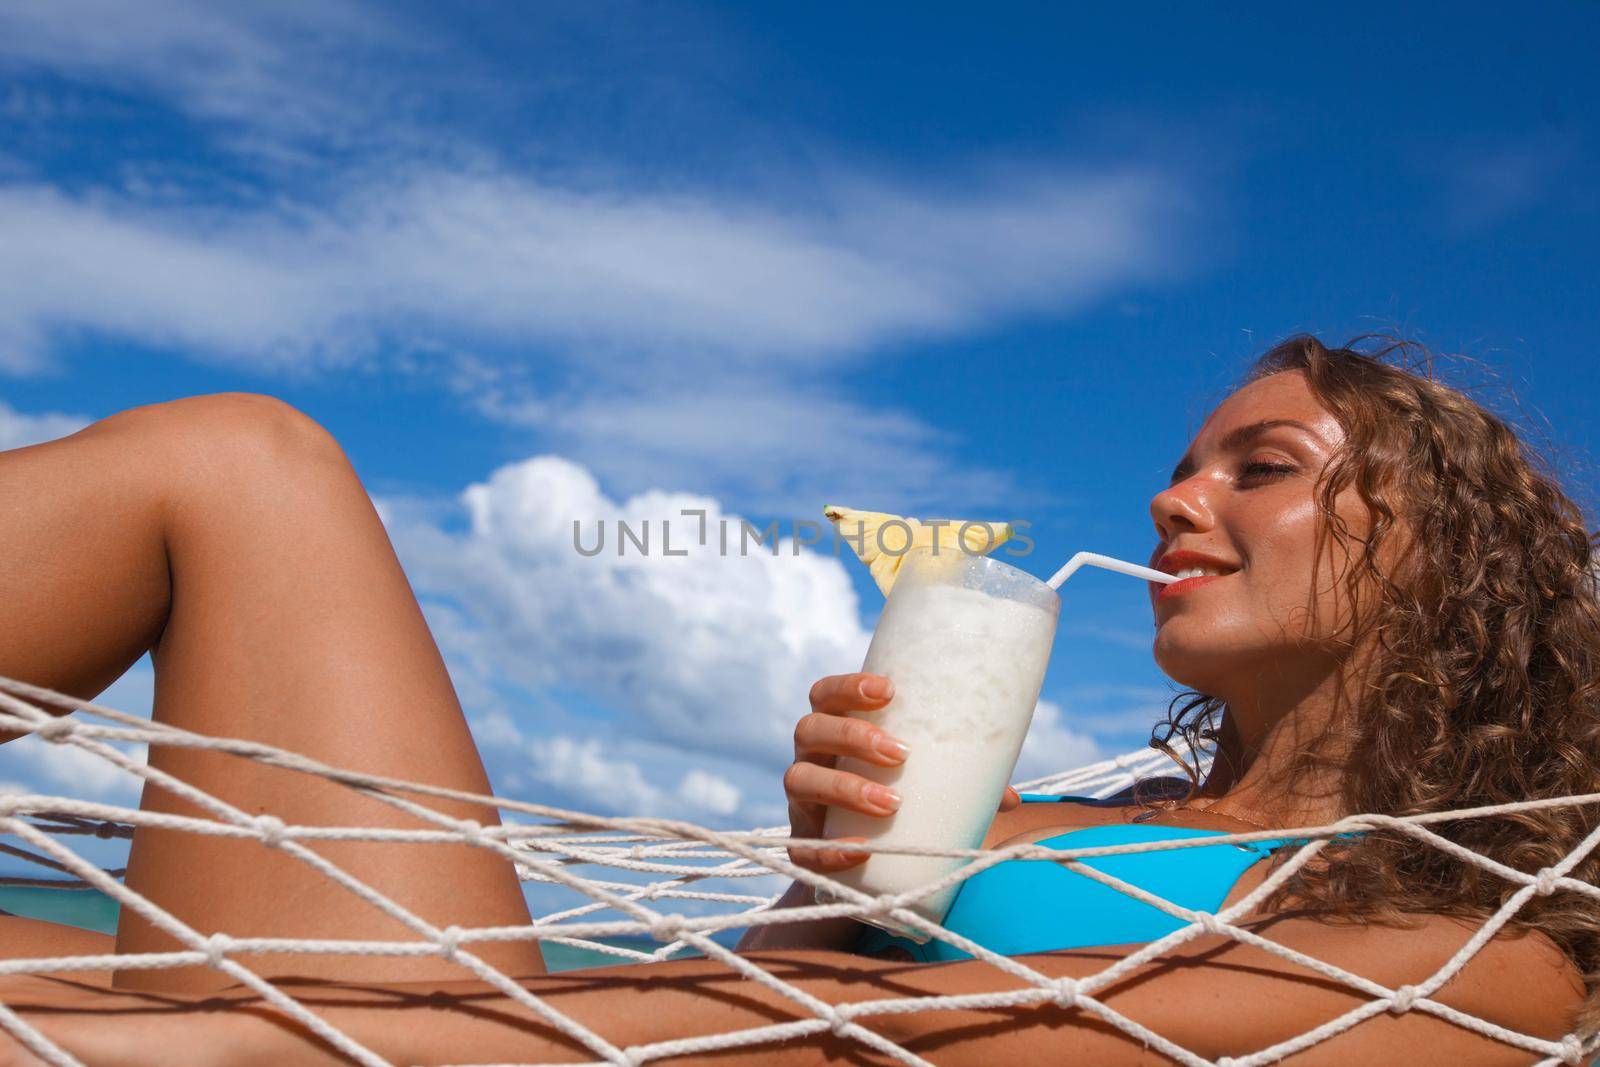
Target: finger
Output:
[(839, 735), (809, 783), (839, 693), (826, 860), (1010, 799)]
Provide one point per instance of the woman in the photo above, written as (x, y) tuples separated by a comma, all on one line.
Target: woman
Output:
[(1405, 622)]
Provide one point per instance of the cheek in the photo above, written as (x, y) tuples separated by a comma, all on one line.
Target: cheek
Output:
[(1295, 603), (1286, 533), (1281, 549)]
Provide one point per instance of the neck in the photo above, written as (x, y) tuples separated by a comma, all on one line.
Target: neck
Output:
[(1258, 775)]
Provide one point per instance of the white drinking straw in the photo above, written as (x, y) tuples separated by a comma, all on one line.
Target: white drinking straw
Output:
[(1094, 559)]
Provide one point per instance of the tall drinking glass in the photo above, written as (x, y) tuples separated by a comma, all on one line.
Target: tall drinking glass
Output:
[(966, 640)]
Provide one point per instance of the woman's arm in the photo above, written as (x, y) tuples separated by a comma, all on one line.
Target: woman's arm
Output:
[(1212, 996)]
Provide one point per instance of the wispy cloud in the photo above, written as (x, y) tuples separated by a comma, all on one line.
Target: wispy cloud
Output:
[(329, 212), (1491, 181), (274, 79), (643, 291), (1118, 714), (1124, 636), (777, 448), (653, 281)]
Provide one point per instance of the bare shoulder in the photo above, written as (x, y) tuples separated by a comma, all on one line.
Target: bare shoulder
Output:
[(1032, 821), (1549, 988), (1544, 999)]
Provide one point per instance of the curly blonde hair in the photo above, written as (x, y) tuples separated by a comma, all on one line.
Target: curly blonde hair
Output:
[(1484, 683)]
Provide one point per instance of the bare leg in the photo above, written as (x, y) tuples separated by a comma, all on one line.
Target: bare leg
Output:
[(231, 532)]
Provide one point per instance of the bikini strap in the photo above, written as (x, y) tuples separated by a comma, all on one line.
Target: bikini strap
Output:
[(1265, 847), (1051, 798)]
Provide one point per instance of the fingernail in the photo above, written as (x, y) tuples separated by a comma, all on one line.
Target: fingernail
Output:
[(875, 688), (890, 747), (883, 797)]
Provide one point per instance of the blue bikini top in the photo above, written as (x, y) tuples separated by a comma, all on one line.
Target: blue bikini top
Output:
[(1020, 906)]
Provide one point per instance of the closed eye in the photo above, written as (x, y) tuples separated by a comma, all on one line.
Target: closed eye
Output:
[(1267, 471)]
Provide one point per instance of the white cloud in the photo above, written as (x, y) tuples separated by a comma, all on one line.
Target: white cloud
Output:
[(777, 448), (1117, 715), (385, 238), (72, 771), (1052, 747), (577, 767), (580, 768), (295, 68), (709, 792), (18, 429), (647, 291), (492, 257), (611, 772), (67, 770), (707, 651)]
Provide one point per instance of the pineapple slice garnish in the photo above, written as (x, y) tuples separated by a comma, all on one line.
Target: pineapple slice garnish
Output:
[(883, 548)]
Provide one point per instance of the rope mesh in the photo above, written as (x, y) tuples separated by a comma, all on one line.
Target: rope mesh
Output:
[(681, 885)]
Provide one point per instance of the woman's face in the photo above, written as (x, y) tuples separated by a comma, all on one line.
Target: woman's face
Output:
[(1242, 502)]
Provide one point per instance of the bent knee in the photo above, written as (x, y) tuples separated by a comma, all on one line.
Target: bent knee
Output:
[(229, 430), (226, 448)]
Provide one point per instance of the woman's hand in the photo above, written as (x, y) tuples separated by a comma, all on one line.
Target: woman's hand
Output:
[(814, 783)]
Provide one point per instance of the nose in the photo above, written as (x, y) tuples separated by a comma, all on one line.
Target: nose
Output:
[(1181, 508)]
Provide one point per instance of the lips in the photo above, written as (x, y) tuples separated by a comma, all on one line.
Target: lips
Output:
[(1186, 585), (1199, 569)]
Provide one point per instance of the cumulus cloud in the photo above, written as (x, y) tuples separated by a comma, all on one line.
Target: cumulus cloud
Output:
[(71, 771), (18, 429), (39, 766), (710, 792), (693, 668), (704, 649), (1052, 746), (601, 774)]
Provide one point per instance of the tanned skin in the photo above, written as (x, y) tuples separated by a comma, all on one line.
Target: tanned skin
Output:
[(230, 535)]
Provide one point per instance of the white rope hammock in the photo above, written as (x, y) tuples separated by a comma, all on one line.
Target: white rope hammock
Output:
[(644, 868)]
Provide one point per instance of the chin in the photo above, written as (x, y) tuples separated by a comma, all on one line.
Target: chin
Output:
[(1203, 664)]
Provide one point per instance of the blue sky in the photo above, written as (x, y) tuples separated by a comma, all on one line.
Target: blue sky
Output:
[(532, 263)]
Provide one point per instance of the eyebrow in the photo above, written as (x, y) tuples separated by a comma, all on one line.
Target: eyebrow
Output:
[(1237, 439)]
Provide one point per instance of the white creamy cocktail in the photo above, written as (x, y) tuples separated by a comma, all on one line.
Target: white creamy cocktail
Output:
[(966, 640)]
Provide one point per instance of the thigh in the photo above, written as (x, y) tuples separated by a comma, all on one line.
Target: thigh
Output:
[(22, 938), (83, 567), (291, 623)]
